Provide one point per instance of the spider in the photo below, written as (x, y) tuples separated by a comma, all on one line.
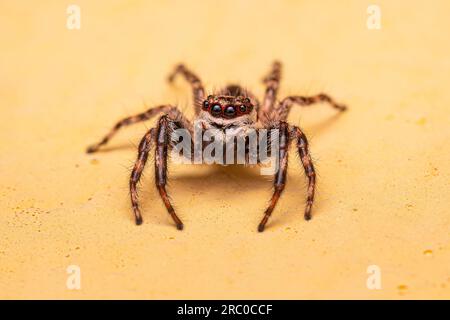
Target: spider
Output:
[(232, 107)]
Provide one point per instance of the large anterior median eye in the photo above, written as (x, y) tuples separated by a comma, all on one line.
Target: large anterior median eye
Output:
[(216, 109), (230, 111)]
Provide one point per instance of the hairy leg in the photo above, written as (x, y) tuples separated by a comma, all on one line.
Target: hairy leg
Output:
[(272, 82), (285, 106), (147, 115), (305, 157), (144, 147), (162, 136), (280, 176), (162, 146), (197, 87)]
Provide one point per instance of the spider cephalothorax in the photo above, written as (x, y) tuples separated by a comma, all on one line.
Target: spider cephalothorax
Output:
[(235, 109), (227, 107)]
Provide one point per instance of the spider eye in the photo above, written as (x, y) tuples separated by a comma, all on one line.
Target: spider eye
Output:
[(247, 100), (205, 104), (230, 111), (242, 108), (216, 109)]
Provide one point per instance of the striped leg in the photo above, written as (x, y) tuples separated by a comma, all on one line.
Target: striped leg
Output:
[(147, 115), (162, 146), (197, 87), (280, 175), (144, 147), (285, 105), (272, 82), (303, 151)]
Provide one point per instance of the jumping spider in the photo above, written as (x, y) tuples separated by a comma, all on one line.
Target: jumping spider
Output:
[(232, 107)]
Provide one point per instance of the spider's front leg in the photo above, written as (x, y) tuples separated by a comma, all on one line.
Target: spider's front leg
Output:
[(161, 137), (286, 136), (162, 145), (280, 176), (144, 148), (305, 157)]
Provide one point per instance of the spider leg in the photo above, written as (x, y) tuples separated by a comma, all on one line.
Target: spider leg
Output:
[(272, 82), (144, 147), (303, 151), (173, 118), (197, 86), (147, 115), (162, 146), (285, 105), (280, 176)]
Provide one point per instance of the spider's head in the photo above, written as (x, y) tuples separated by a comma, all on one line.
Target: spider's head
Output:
[(227, 107)]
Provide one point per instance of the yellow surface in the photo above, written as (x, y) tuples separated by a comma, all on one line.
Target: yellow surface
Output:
[(383, 187)]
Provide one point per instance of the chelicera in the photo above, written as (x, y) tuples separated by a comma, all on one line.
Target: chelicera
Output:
[(230, 108)]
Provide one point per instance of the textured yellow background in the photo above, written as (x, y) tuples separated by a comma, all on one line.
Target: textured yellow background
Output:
[(383, 166)]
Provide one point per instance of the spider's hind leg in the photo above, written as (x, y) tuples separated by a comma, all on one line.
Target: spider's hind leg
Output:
[(197, 87), (147, 115), (272, 82), (284, 106)]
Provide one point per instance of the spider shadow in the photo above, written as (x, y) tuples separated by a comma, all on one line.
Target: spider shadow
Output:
[(205, 180), (236, 173), (317, 127), (250, 182)]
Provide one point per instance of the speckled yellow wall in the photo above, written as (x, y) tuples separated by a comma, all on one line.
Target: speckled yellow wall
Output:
[(383, 185)]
